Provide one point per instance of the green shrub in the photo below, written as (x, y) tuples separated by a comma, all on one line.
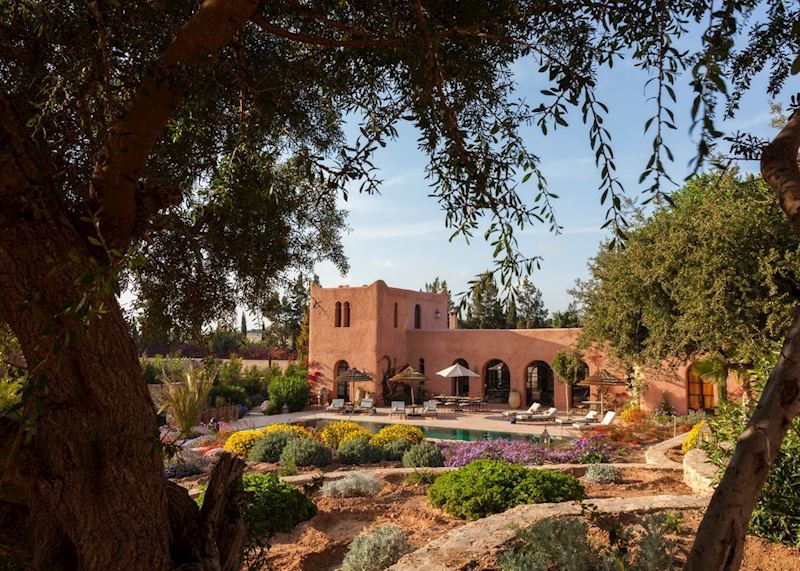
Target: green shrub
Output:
[(358, 451), (395, 449), (305, 452), (10, 392), (272, 505), (352, 485), (230, 393), (185, 401), (268, 448), (423, 455), (376, 551), (776, 516), (420, 478), (230, 371), (564, 543), (160, 369), (603, 474), (489, 486), (291, 391), (223, 342)]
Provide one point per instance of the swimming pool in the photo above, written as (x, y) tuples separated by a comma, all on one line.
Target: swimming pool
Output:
[(439, 432)]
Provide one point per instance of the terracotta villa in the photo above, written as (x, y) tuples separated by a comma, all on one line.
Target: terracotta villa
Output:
[(379, 329)]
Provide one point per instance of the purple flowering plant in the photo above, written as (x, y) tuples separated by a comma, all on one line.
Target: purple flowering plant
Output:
[(585, 450)]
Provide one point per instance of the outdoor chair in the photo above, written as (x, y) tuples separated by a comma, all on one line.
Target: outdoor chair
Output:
[(429, 408), (550, 414), (590, 417), (366, 405), (398, 407), (607, 419), (336, 405), (533, 409)]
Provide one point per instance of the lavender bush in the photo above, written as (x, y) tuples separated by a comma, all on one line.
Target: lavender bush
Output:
[(585, 450)]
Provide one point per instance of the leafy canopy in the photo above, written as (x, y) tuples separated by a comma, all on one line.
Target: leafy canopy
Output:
[(240, 186), (714, 273)]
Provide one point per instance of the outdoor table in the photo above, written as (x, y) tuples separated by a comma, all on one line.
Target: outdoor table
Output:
[(414, 410)]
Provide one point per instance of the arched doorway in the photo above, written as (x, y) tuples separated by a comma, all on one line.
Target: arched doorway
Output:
[(460, 385), (342, 387), (539, 384), (701, 393), (580, 393), (496, 381)]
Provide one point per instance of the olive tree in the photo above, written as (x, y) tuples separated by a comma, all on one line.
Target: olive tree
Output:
[(138, 134)]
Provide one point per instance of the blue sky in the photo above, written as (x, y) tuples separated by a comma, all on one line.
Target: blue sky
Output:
[(400, 235)]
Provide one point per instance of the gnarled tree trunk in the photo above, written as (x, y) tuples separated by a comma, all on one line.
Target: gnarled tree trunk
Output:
[(720, 539), (94, 494)]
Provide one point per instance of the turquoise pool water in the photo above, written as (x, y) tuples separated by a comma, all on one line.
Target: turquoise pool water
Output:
[(439, 432)]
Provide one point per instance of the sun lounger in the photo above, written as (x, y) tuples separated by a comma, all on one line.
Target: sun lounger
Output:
[(591, 416), (550, 414), (533, 409), (398, 407), (366, 405), (336, 405), (429, 408), (607, 419)]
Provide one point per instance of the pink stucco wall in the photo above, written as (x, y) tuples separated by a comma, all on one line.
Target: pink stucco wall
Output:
[(373, 343)]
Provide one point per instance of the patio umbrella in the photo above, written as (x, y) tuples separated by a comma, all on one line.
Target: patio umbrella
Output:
[(411, 376), (456, 371), (602, 379), (354, 376)]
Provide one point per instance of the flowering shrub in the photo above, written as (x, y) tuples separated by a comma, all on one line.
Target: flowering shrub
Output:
[(486, 487), (584, 450), (634, 414), (241, 442), (336, 433), (693, 438), (394, 432)]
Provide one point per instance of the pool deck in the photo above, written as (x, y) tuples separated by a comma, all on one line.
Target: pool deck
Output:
[(490, 420)]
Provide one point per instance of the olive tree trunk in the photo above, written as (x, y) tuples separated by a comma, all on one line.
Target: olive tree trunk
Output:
[(84, 488), (719, 543)]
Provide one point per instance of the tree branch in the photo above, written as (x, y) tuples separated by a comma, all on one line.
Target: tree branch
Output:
[(124, 153), (719, 543)]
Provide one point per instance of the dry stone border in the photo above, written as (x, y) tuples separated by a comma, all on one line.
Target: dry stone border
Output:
[(656, 454), (462, 547), (698, 472)]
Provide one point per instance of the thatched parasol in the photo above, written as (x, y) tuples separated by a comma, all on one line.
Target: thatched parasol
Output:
[(411, 376), (354, 376), (602, 379)]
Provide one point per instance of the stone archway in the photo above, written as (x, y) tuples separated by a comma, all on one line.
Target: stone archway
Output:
[(539, 384), (496, 381)]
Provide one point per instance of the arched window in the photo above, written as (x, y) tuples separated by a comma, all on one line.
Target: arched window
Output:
[(496, 381), (395, 314), (579, 392), (342, 387), (337, 316), (347, 314), (701, 393), (417, 317), (539, 384), (422, 365), (461, 384)]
